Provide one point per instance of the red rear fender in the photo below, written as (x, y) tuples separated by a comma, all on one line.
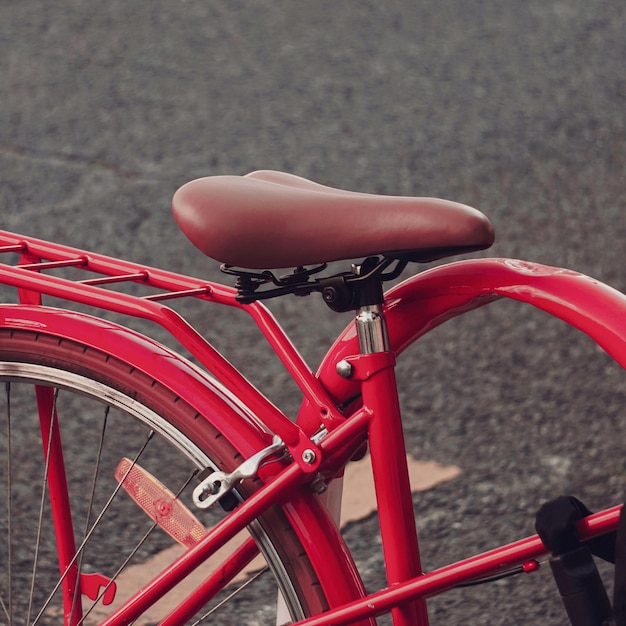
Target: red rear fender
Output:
[(426, 300)]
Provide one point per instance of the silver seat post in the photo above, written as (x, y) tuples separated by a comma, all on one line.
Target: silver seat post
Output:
[(371, 328)]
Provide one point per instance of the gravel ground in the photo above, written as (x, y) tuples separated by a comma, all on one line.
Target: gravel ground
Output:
[(518, 109)]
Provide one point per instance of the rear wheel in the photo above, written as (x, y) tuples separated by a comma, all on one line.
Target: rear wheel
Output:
[(121, 436)]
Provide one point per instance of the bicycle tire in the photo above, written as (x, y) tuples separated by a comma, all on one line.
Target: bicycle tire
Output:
[(137, 403)]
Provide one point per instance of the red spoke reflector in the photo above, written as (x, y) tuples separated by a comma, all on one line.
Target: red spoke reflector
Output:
[(160, 504)]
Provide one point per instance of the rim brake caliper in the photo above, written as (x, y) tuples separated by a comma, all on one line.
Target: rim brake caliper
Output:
[(219, 483)]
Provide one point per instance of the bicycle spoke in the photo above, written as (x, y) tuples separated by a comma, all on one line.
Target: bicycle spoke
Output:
[(5, 611), (96, 471), (228, 598), (121, 568), (90, 533)]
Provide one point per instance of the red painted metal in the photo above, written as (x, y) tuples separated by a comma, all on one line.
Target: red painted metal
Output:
[(220, 577), (425, 301), (72, 581), (313, 390), (412, 309), (321, 536), (395, 503), (59, 504), (223, 532), (33, 281), (429, 299), (212, 399), (326, 549), (98, 587), (480, 566), (209, 398)]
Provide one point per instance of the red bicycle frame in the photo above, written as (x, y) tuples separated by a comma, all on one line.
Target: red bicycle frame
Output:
[(235, 406), (423, 302)]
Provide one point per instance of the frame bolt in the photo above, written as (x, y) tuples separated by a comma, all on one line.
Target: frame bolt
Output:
[(210, 489), (344, 369), (308, 456)]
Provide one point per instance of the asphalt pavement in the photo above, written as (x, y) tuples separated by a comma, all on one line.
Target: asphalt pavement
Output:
[(516, 108)]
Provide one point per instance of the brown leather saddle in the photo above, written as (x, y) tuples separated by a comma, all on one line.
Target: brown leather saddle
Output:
[(269, 219)]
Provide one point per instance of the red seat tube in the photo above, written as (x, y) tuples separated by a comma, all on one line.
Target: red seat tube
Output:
[(375, 367)]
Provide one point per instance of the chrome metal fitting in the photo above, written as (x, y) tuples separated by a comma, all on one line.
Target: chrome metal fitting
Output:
[(309, 457), (344, 369)]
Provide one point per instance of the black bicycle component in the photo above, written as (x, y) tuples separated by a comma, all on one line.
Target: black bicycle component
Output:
[(575, 573), (580, 586), (248, 282), (341, 292), (491, 579), (338, 294)]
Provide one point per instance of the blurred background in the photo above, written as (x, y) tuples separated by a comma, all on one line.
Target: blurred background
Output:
[(518, 109)]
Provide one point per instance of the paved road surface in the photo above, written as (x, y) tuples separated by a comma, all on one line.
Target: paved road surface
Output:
[(516, 108)]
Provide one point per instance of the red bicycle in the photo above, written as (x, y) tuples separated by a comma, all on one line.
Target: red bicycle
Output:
[(187, 464)]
